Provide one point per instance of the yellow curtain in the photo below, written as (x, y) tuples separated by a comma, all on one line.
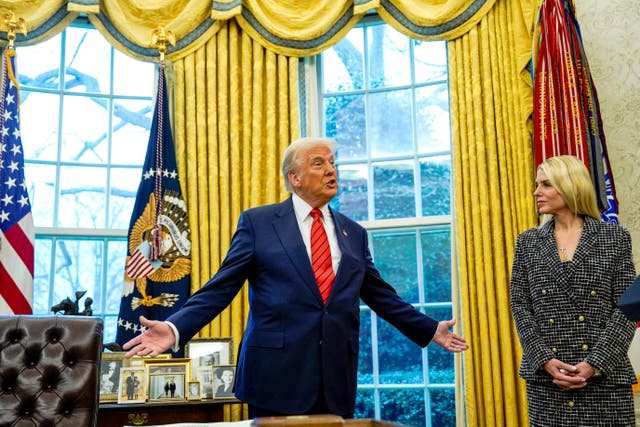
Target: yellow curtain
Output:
[(491, 106), (289, 27), (236, 110)]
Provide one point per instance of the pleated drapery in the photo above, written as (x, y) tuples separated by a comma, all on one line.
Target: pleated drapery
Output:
[(288, 27), (491, 105), (235, 82), (236, 112)]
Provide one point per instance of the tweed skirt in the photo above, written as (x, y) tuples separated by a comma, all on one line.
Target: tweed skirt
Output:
[(590, 406)]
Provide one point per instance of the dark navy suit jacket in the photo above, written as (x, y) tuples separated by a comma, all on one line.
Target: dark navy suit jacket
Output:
[(293, 344)]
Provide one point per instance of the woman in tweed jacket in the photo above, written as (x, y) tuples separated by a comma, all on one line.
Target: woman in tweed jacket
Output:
[(566, 278)]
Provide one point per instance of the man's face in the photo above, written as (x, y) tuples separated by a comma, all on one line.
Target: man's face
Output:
[(315, 179)]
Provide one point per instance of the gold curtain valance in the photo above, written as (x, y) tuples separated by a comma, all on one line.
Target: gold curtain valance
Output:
[(289, 27)]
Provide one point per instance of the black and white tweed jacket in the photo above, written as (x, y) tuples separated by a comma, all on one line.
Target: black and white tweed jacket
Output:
[(567, 310)]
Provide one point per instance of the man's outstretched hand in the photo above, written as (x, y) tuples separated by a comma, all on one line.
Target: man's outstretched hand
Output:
[(156, 339), (446, 339)]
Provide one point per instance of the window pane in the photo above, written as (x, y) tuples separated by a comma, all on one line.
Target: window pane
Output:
[(78, 268), (351, 199), (39, 125), (436, 262), (430, 61), (364, 404), (116, 252), (132, 77), (395, 257), (87, 61), (432, 119), (389, 57), (40, 65), (345, 122), (343, 63), (124, 186), (441, 369), (365, 362), (394, 194), (82, 201), (42, 275), (85, 140), (443, 408), (435, 185), (390, 131), (130, 128), (400, 359), (404, 406), (41, 181)]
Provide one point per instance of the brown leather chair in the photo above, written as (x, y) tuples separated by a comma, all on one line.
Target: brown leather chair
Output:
[(49, 368)]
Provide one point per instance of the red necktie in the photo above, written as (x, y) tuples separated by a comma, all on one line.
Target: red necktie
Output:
[(321, 255)]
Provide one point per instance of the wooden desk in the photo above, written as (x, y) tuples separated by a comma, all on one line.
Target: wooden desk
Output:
[(140, 414)]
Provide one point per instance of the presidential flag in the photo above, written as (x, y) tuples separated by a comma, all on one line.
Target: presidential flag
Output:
[(158, 263), (16, 222), (566, 115)]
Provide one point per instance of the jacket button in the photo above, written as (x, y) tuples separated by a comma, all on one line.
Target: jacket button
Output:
[(585, 347), (553, 349), (594, 293), (570, 403), (580, 318), (551, 321), (544, 292)]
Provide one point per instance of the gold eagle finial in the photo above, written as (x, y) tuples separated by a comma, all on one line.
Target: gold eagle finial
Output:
[(160, 38)]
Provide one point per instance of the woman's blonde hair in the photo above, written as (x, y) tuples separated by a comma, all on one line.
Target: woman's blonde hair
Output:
[(571, 178)]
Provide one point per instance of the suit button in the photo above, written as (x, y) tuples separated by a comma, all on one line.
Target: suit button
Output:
[(585, 347), (570, 403), (594, 293), (580, 318), (544, 292), (553, 349), (320, 342), (551, 321)]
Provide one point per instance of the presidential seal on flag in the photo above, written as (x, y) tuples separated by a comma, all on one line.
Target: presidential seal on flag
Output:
[(160, 248)]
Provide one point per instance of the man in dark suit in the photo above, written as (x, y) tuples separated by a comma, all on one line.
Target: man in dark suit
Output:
[(299, 353)]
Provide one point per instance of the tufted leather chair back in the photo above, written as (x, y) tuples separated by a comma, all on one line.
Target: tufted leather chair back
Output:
[(49, 368)]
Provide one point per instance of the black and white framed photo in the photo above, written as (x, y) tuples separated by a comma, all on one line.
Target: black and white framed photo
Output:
[(209, 352), (132, 384), (205, 375), (110, 365), (194, 390), (223, 380)]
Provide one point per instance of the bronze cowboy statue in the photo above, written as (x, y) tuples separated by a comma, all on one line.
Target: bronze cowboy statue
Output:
[(68, 307)]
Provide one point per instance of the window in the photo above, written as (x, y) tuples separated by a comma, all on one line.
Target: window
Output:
[(85, 117), (385, 100)]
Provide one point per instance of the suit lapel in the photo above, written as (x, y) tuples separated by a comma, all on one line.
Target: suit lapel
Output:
[(563, 272), (286, 228), (560, 272), (347, 259)]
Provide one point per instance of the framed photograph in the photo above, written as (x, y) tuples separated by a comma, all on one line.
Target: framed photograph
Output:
[(223, 380), (110, 375), (167, 379), (194, 390), (205, 375), (209, 352), (139, 360), (132, 385)]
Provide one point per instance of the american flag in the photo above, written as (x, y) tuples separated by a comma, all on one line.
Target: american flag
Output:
[(16, 222)]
